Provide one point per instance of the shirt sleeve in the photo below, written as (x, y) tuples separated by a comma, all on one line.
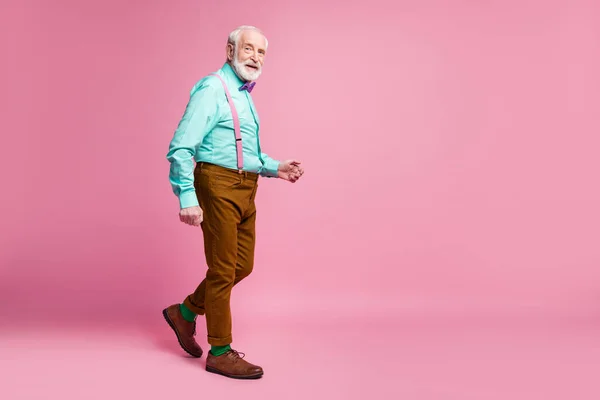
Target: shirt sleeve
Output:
[(199, 118), (269, 169)]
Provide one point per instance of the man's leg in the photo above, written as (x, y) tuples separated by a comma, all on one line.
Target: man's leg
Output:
[(219, 228), (226, 199), (244, 264), (218, 284), (220, 196)]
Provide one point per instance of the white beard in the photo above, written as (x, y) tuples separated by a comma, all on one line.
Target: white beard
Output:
[(243, 73)]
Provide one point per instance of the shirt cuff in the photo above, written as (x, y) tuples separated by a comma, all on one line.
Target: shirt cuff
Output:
[(188, 199), (270, 168)]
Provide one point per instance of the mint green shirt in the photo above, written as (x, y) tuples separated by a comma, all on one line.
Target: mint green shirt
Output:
[(205, 134)]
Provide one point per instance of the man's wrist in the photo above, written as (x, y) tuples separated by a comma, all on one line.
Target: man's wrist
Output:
[(271, 169), (276, 167)]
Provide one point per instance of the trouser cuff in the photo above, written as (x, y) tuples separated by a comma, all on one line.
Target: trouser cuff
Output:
[(213, 341), (195, 309)]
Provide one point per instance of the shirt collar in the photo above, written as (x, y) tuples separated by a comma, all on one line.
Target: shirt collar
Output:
[(230, 75)]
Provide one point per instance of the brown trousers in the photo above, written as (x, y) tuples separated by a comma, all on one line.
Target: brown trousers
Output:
[(227, 201)]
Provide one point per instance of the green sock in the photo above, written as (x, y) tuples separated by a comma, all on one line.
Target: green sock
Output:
[(219, 350), (188, 314)]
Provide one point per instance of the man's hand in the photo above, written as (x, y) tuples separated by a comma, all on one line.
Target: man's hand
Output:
[(191, 215), (290, 170)]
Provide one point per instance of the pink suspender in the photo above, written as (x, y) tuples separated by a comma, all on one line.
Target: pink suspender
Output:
[(236, 126)]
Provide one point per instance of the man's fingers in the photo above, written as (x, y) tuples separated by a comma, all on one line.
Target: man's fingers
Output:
[(198, 218), (191, 216), (297, 170)]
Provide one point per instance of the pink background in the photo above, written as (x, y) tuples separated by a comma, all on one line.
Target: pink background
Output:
[(451, 157)]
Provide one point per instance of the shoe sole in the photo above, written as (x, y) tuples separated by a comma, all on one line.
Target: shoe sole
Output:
[(172, 325), (216, 371)]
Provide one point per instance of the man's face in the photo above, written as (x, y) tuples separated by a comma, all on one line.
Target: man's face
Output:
[(249, 55)]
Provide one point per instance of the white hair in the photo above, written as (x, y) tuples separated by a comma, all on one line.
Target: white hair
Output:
[(234, 36)]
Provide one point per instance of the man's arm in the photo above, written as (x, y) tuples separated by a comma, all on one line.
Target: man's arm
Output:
[(199, 118)]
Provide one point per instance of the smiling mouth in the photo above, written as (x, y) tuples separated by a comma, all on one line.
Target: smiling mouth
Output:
[(252, 67)]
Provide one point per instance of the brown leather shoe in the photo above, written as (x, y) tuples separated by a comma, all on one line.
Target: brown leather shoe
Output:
[(232, 365), (184, 330)]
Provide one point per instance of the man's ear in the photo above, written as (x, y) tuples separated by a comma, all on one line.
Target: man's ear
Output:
[(229, 52)]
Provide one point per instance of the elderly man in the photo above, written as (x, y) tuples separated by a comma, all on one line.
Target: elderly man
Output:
[(219, 131)]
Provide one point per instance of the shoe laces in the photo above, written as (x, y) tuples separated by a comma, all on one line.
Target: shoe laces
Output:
[(236, 354)]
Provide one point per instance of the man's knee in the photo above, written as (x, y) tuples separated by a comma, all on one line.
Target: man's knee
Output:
[(220, 278), (243, 270)]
